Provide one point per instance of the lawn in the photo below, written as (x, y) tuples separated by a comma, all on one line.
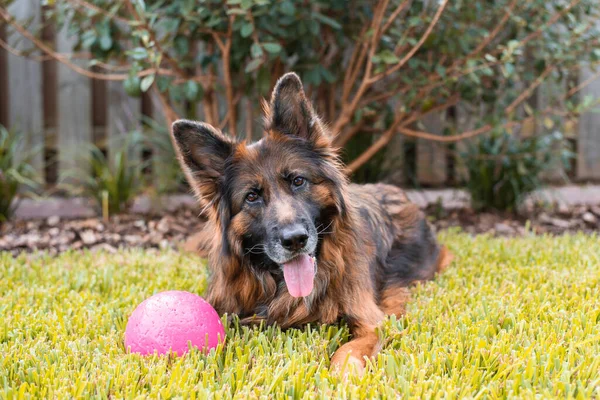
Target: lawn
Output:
[(510, 318)]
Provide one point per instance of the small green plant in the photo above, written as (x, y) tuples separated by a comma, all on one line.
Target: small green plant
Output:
[(166, 171), (111, 181), (15, 171), (502, 168)]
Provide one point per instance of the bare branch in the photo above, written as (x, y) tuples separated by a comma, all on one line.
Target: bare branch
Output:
[(99, 10), (72, 56), (583, 84), (415, 48), (395, 14), (65, 58), (348, 109), (529, 91), (348, 133), (375, 147)]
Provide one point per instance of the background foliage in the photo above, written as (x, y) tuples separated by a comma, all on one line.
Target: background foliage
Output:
[(16, 173), (374, 69)]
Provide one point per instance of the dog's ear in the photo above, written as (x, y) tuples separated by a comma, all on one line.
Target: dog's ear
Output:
[(202, 151), (290, 112)]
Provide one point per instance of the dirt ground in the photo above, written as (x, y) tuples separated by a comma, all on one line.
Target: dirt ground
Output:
[(55, 235)]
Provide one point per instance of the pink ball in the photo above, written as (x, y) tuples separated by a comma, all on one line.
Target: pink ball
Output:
[(168, 320)]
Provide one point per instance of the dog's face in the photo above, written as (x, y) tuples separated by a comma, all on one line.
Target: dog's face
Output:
[(275, 198)]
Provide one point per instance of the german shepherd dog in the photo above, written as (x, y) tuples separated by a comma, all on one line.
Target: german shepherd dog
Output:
[(291, 240)]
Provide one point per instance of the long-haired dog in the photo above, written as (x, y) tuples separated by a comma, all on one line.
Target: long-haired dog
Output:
[(291, 240)]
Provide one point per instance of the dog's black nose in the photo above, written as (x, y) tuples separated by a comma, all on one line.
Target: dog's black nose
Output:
[(294, 237)]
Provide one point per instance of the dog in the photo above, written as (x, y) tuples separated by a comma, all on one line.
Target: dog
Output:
[(290, 240)]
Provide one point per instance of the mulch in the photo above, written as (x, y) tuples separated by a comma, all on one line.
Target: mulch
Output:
[(127, 230), (555, 221), (170, 231)]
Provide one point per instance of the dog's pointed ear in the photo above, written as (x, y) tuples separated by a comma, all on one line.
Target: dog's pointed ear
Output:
[(290, 112), (202, 151)]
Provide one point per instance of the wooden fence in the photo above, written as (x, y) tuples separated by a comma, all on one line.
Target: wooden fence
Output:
[(60, 110)]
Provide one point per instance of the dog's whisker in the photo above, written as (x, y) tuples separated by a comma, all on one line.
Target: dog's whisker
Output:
[(261, 247), (324, 229)]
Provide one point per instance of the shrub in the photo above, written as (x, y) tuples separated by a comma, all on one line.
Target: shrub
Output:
[(167, 173), (111, 182), (16, 171), (372, 68), (503, 168)]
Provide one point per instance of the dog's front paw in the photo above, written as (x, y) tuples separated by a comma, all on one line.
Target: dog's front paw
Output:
[(345, 363)]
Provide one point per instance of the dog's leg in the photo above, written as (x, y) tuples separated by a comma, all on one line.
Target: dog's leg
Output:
[(364, 317), (444, 259), (394, 299)]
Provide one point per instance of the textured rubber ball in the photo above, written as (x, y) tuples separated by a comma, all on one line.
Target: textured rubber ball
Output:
[(169, 320)]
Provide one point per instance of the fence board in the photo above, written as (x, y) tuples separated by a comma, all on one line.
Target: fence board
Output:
[(547, 93), (25, 108), (466, 119), (3, 79), (123, 116), (393, 163), (431, 156), (588, 146), (74, 112)]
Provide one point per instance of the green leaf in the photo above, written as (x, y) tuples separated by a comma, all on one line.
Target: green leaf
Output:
[(326, 20), (508, 69), (162, 83), (440, 70), (415, 21), (132, 86), (288, 8), (236, 11), (147, 82), (192, 90), (88, 39), (247, 29), (106, 42), (253, 65), (170, 25), (487, 71), (388, 57), (176, 92), (256, 50), (327, 75), (139, 53), (313, 27), (273, 48), (312, 76), (182, 46)]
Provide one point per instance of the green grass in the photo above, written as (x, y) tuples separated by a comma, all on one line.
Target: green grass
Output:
[(512, 318)]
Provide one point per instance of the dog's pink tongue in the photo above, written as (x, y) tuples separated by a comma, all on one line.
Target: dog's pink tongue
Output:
[(299, 275)]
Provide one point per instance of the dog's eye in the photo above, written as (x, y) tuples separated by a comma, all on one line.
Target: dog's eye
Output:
[(298, 181), (251, 197)]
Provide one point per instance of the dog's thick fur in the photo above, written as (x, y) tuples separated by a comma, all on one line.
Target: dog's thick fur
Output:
[(372, 243)]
